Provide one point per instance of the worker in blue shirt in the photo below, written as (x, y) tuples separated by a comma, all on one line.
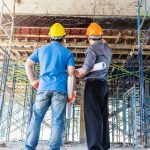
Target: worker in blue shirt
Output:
[(96, 90), (56, 63)]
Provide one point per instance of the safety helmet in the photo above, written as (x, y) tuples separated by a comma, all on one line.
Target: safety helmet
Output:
[(57, 31), (94, 30)]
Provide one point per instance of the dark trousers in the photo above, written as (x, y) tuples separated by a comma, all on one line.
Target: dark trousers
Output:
[(96, 115)]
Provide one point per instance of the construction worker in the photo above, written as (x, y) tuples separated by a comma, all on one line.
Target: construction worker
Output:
[(56, 63), (96, 90)]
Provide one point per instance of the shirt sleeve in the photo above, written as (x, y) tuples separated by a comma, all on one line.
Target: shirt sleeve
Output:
[(89, 61), (71, 60), (34, 56)]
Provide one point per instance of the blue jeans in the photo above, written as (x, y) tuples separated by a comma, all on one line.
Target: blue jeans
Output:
[(43, 101)]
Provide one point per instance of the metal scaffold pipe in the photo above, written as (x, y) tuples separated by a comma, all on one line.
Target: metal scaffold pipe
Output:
[(140, 57), (6, 55)]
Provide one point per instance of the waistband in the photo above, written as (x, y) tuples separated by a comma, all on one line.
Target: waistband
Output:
[(94, 79)]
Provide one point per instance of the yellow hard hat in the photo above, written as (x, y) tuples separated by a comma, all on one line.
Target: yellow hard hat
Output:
[(57, 31)]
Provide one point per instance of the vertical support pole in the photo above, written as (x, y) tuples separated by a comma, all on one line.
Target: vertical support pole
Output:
[(82, 125), (141, 81), (23, 114), (7, 59), (124, 115), (134, 120), (117, 114), (134, 117), (113, 114), (128, 104), (73, 122), (31, 104), (119, 119), (3, 70), (10, 105)]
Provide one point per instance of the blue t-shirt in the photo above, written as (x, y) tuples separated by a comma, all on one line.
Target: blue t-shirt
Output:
[(53, 59)]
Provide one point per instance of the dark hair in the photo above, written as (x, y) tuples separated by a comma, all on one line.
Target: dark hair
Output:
[(96, 39), (57, 40)]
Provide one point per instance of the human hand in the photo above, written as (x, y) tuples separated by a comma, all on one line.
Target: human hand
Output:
[(72, 99), (77, 73), (35, 84)]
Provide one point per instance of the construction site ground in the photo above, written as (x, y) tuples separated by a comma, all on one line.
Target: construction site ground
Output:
[(72, 146)]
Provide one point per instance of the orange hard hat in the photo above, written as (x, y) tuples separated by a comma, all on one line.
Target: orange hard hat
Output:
[(94, 30)]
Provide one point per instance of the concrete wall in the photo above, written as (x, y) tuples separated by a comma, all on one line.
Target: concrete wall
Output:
[(76, 7)]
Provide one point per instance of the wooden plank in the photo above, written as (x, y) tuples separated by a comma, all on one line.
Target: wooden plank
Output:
[(117, 40), (83, 51), (80, 45), (67, 37)]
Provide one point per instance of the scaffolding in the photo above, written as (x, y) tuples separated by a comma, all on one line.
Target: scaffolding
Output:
[(16, 94), (141, 75), (130, 111), (124, 106), (128, 108), (7, 26)]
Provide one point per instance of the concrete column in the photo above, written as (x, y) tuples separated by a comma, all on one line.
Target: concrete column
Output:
[(82, 124)]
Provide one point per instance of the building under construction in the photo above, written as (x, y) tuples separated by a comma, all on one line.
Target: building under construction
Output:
[(24, 26)]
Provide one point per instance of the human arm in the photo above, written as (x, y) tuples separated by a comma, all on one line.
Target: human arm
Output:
[(87, 65), (29, 64), (96, 67), (81, 73), (71, 68), (71, 85), (71, 72)]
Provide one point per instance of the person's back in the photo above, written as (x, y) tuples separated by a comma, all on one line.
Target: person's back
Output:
[(97, 52), (96, 90), (53, 59), (56, 63)]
